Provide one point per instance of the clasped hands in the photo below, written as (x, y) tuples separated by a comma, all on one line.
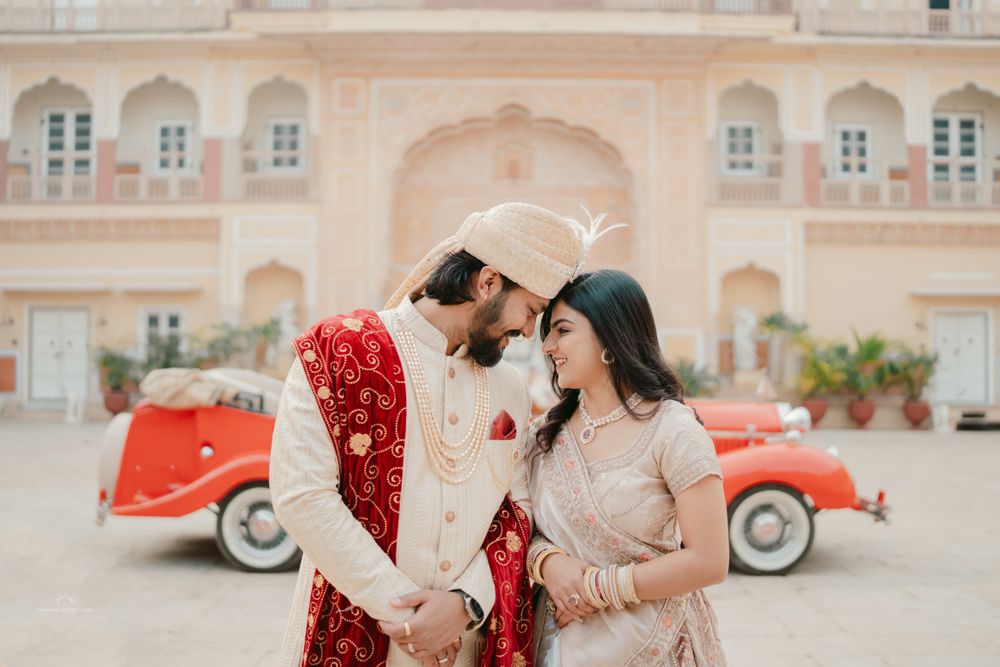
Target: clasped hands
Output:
[(433, 634), (563, 577)]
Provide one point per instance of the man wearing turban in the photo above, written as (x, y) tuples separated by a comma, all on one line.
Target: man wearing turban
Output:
[(397, 462)]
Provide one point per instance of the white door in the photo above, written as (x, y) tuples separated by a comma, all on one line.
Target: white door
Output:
[(960, 339), (58, 361)]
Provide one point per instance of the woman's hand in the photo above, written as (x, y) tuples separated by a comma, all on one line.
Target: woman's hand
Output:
[(563, 577)]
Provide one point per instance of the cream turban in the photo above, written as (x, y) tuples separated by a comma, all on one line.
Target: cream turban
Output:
[(534, 247)]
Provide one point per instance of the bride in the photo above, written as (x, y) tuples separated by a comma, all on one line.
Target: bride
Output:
[(620, 468)]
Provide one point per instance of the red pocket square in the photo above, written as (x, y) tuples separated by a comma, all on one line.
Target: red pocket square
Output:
[(504, 427)]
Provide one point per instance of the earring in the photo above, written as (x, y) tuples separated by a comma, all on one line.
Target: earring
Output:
[(604, 357)]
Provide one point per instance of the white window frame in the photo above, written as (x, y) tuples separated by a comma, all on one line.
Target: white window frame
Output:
[(188, 155), (755, 167), (69, 156), (269, 165), (838, 144), (954, 118), (163, 312)]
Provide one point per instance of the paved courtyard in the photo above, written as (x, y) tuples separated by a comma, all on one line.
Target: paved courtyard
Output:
[(923, 591)]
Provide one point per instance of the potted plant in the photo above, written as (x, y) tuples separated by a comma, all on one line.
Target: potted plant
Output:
[(865, 373), (117, 368), (823, 372), (912, 370), (783, 331), (697, 381)]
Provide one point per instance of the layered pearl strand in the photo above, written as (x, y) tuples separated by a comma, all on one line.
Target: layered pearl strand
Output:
[(590, 430), (454, 463)]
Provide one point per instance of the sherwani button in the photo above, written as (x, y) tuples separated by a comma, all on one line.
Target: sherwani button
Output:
[(445, 566), (323, 392), (452, 419), (449, 517), (451, 373), (309, 356)]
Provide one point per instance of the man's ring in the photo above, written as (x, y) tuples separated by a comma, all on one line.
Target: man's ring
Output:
[(550, 607), (406, 629), (410, 648), (573, 599), (443, 660)]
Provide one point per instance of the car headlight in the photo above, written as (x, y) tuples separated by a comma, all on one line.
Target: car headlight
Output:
[(797, 419)]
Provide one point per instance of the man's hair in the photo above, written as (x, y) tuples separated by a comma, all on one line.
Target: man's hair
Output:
[(450, 283)]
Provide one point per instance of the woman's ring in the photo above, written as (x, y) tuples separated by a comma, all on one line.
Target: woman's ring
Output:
[(443, 660), (410, 648), (407, 631), (573, 599)]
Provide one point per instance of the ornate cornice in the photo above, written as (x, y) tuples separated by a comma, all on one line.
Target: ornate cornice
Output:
[(903, 233), (105, 229)]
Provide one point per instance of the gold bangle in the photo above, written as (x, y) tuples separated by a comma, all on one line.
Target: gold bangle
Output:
[(541, 558)]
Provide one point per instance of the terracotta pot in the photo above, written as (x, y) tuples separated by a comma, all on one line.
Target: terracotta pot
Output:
[(816, 407), (916, 411), (861, 410), (116, 401)]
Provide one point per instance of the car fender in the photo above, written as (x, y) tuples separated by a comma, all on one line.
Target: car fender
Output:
[(210, 488), (808, 470)]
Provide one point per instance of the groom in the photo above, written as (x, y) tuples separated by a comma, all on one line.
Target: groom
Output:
[(398, 456)]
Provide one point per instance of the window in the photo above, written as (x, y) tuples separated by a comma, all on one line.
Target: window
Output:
[(67, 141), (285, 142), (161, 326), (853, 146), (956, 147), (173, 142), (739, 148)]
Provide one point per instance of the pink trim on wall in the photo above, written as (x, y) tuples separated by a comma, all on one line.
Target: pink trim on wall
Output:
[(4, 145), (212, 168), (106, 149), (917, 175), (812, 174)]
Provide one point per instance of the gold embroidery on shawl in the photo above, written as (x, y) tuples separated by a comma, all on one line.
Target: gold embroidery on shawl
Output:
[(513, 541), (359, 443)]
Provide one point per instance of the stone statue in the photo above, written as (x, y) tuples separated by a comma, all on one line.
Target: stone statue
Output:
[(744, 344)]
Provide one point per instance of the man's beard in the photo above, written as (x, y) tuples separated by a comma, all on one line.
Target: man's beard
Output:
[(484, 338)]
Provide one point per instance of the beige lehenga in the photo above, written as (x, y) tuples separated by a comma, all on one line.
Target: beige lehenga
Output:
[(622, 510)]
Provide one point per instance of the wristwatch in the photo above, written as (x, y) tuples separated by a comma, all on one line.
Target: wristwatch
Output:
[(472, 608)]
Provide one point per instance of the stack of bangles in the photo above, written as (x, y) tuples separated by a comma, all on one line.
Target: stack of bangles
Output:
[(613, 586), (536, 555)]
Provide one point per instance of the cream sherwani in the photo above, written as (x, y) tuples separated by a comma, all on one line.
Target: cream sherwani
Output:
[(441, 526)]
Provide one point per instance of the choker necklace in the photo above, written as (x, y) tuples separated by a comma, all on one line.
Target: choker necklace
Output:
[(590, 430)]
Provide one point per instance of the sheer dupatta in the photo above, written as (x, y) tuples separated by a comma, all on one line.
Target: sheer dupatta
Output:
[(568, 513)]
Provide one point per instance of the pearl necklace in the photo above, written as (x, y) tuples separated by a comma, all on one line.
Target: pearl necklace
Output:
[(454, 463), (590, 430)]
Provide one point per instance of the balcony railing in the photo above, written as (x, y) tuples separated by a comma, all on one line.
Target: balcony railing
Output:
[(749, 180), (970, 184), (864, 182), (112, 15), (911, 18), (700, 6), (173, 176), (277, 174), (60, 177)]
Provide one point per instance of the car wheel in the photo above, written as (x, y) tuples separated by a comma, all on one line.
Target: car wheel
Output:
[(248, 533), (770, 530)]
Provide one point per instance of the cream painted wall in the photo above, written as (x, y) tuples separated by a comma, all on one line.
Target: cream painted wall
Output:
[(869, 287), (881, 113), (751, 103), (26, 135), (111, 255), (144, 108)]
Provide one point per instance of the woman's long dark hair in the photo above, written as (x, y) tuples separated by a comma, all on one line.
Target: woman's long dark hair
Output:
[(622, 320)]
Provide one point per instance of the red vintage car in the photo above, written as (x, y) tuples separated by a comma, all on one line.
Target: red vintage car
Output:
[(170, 462)]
